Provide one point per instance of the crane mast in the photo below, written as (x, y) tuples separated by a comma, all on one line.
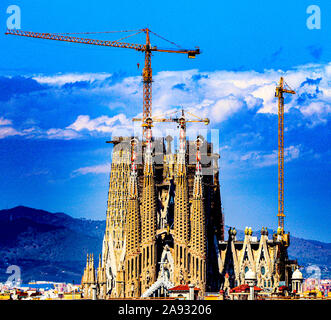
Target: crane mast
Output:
[(280, 90), (147, 80)]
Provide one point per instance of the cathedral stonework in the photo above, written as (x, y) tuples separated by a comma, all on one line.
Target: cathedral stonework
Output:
[(165, 226), (267, 258)]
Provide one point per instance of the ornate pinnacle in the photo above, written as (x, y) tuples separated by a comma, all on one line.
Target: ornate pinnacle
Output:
[(198, 157), (99, 261), (197, 188), (148, 150), (182, 144), (133, 173)]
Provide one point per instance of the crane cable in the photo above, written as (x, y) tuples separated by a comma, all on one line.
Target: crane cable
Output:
[(120, 31), (98, 32), (166, 39), (128, 36), (76, 33)]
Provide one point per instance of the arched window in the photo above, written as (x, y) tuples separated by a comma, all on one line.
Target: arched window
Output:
[(263, 270), (185, 258), (188, 261)]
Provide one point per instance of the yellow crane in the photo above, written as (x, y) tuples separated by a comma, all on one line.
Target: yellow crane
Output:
[(180, 120), (280, 90), (148, 123), (147, 48)]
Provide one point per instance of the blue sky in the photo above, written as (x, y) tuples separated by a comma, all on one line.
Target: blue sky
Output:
[(60, 102)]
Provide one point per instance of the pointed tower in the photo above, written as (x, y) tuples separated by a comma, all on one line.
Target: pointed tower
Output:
[(113, 252), (198, 245), (92, 278), (133, 232), (84, 278), (89, 277), (169, 164), (148, 217), (181, 214), (101, 280), (84, 284), (217, 203), (89, 263)]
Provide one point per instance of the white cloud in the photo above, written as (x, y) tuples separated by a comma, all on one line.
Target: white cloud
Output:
[(5, 122), (263, 159), (62, 134), (225, 107), (317, 108), (7, 132), (217, 95), (266, 93), (291, 153), (117, 125), (191, 89), (205, 92), (102, 168), (61, 79), (37, 172)]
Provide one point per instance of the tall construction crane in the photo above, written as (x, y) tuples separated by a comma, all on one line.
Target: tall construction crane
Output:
[(280, 90), (147, 48)]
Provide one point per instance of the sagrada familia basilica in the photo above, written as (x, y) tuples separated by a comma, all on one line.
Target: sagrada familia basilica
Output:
[(165, 226)]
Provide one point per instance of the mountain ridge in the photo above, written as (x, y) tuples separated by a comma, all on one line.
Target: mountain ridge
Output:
[(53, 246)]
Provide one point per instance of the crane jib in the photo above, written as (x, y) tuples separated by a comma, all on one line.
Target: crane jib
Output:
[(106, 43), (54, 36)]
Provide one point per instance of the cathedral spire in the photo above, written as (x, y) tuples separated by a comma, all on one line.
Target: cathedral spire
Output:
[(198, 246), (101, 279), (89, 269), (133, 231), (99, 267), (197, 187), (133, 185), (113, 251), (92, 270), (148, 216), (84, 278), (181, 214)]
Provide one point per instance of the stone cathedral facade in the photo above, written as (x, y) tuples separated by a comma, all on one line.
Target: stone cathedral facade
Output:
[(165, 226), (164, 219)]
